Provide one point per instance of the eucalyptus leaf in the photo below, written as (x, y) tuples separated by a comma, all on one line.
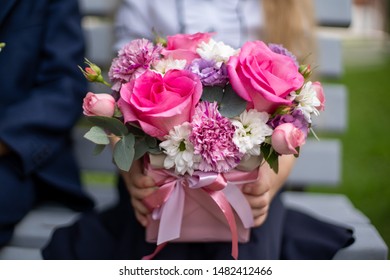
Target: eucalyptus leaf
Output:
[(98, 149), (231, 105), (212, 94), (113, 125), (140, 148), (124, 152), (97, 135), (151, 141), (135, 130), (148, 144)]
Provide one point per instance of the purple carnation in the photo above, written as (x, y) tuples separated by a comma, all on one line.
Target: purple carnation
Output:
[(132, 60), (296, 118), (209, 72), (212, 137), (282, 50)]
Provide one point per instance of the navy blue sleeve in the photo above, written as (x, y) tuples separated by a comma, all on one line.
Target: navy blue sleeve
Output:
[(41, 86)]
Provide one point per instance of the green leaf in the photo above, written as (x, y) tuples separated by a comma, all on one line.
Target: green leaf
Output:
[(124, 152), (140, 148), (212, 94), (113, 125), (298, 150), (151, 141), (231, 105), (273, 161), (270, 156), (137, 131), (97, 135), (98, 149), (144, 145)]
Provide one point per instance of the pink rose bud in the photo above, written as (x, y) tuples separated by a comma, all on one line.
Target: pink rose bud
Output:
[(101, 104), (93, 73), (286, 138), (305, 70), (320, 95)]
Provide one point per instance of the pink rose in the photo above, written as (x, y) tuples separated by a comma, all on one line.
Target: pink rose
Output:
[(183, 46), (100, 104), (320, 95), (158, 103), (286, 138), (262, 77)]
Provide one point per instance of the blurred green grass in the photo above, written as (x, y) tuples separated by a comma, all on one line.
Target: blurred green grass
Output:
[(366, 150)]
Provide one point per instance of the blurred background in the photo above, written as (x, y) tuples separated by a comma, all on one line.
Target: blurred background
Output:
[(366, 151)]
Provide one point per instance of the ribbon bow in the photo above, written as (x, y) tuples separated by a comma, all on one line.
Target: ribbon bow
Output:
[(168, 200)]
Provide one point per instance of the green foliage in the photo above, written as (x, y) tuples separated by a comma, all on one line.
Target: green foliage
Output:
[(97, 135), (270, 156), (124, 152), (112, 125), (212, 94), (229, 103)]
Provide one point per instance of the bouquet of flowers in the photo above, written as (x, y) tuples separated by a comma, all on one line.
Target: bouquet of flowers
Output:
[(203, 116)]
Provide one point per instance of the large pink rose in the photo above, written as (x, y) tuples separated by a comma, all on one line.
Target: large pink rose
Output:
[(286, 138), (262, 77), (183, 46), (158, 103), (320, 95), (101, 104)]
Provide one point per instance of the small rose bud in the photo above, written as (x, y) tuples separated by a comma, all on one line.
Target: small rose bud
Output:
[(286, 138), (101, 104), (93, 73), (305, 70)]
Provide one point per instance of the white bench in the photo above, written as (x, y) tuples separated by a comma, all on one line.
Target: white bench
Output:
[(320, 161)]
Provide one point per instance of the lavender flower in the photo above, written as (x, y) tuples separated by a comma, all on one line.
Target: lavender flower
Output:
[(282, 50), (209, 72), (132, 60), (296, 118), (212, 137)]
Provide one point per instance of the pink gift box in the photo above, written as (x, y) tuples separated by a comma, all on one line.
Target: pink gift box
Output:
[(202, 221), (203, 207)]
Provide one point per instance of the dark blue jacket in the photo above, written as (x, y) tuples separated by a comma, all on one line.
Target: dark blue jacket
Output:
[(41, 92)]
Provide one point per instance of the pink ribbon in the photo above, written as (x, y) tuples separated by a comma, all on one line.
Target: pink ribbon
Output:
[(168, 200)]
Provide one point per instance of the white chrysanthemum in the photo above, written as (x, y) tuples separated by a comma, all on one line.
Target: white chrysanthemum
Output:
[(251, 131), (164, 65), (307, 101), (179, 151), (216, 51)]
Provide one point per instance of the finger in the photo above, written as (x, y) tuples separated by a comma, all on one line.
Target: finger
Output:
[(142, 219), (258, 201), (143, 181), (256, 188), (140, 193), (258, 212), (258, 221), (139, 206)]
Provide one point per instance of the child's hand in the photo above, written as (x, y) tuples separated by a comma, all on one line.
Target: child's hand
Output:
[(260, 193), (139, 187)]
